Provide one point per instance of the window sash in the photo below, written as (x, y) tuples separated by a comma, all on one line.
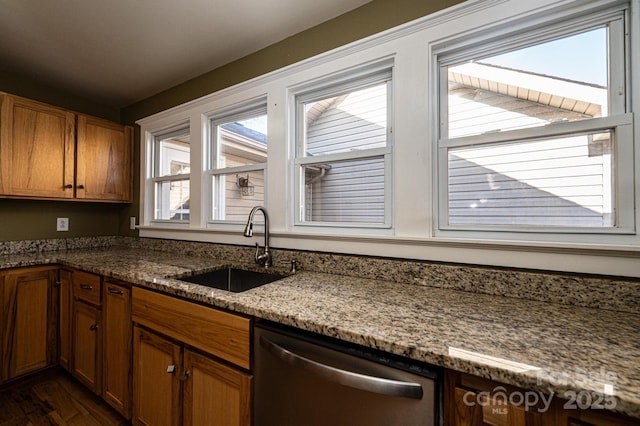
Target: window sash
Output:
[(235, 114), (177, 131), (618, 121), (156, 183), (216, 195), (344, 84)]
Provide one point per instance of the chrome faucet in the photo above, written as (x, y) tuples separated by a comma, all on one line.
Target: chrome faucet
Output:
[(264, 258)]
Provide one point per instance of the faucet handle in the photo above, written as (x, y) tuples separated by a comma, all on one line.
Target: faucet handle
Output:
[(264, 258), (295, 266)]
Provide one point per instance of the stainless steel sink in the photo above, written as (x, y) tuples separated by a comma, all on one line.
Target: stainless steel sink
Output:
[(232, 279)]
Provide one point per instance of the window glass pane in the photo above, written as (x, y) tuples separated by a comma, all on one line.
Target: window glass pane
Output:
[(344, 191), (355, 120), (242, 142), (563, 181), (235, 194), (560, 80), (172, 155), (172, 200)]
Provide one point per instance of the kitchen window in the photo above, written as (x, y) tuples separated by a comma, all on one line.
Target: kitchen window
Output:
[(535, 134), (171, 175), (475, 135), (343, 151), (237, 165)]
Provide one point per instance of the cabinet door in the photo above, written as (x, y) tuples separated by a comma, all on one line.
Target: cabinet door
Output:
[(64, 319), (103, 169), (215, 394), (117, 335), (156, 380), (87, 345), (29, 320), (473, 408), (37, 146)]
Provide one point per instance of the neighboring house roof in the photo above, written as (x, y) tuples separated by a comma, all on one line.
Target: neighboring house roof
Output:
[(246, 132), (575, 96)]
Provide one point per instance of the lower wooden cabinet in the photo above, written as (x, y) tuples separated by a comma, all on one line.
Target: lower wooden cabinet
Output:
[(214, 394), (474, 401), (28, 331), (117, 346), (156, 380), (64, 318), (101, 343), (87, 340), (187, 377), (167, 373)]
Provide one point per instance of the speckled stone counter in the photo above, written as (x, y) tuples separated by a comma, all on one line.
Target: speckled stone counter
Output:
[(541, 346)]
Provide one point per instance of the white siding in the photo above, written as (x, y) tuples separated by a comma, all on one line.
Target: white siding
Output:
[(347, 191), (553, 182)]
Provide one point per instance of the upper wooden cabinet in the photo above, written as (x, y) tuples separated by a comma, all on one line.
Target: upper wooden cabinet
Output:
[(103, 152), (52, 153)]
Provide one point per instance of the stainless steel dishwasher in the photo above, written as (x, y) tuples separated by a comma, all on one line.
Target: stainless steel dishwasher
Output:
[(302, 379)]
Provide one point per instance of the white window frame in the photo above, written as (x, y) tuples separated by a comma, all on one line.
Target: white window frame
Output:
[(341, 83), (618, 120), (414, 233), (154, 166), (213, 166)]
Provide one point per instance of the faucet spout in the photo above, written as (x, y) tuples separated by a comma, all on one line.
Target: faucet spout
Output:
[(264, 258)]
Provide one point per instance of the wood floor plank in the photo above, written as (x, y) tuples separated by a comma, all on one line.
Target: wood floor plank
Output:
[(53, 397), (56, 396)]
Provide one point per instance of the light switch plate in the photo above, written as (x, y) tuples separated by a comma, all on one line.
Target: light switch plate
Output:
[(62, 224)]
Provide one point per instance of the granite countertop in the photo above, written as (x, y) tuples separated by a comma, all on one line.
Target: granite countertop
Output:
[(544, 347)]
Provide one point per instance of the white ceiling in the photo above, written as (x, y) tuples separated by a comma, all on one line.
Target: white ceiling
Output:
[(117, 52)]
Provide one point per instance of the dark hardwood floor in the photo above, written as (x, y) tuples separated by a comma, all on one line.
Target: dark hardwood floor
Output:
[(53, 397)]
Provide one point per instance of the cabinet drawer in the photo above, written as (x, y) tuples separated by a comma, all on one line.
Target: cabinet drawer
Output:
[(87, 287), (219, 333)]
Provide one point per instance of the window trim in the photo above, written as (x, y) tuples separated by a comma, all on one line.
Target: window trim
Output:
[(412, 236), (153, 170)]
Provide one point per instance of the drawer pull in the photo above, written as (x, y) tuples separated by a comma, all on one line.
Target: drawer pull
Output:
[(115, 291), (86, 287)]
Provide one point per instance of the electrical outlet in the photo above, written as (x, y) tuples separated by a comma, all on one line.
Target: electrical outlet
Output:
[(62, 224), (132, 222)]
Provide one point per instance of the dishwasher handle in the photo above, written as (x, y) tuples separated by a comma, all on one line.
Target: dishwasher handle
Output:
[(352, 379)]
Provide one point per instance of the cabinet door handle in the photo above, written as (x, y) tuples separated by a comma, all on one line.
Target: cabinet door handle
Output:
[(67, 186), (80, 186), (94, 326), (86, 287), (171, 369), (113, 290), (185, 375)]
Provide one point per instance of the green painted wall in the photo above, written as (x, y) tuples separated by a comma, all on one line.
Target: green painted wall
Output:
[(26, 219), (372, 18), (27, 88), (36, 219)]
